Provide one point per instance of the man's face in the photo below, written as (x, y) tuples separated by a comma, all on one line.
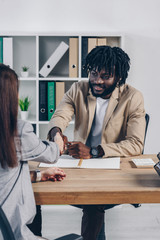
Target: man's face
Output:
[(101, 84)]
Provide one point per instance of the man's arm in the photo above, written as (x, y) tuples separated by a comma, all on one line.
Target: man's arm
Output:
[(80, 150), (132, 142), (132, 134), (64, 112)]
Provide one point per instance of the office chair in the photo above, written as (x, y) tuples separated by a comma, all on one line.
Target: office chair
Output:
[(71, 236), (8, 234), (147, 121)]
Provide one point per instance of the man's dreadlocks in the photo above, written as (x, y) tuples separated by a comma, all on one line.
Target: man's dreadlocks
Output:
[(112, 59)]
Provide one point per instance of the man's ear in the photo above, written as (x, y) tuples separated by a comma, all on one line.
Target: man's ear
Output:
[(118, 82)]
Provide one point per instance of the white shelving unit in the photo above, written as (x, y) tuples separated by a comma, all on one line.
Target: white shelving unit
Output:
[(33, 50)]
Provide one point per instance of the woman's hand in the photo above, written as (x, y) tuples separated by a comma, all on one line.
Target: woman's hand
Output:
[(59, 141), (52, 173)]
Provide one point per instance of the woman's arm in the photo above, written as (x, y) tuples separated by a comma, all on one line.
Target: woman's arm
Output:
[(52, 173)]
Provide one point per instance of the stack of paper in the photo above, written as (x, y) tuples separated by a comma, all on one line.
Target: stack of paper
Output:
[(66, 161)]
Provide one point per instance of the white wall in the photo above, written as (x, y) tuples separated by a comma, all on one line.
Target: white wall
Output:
[(139, 20)]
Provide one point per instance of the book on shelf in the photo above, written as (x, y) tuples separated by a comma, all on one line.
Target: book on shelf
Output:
[(54, 59), (1, 50), (73, 57), (43, 107), (59, 92), (113, 42), (51, 99), (101, 41), (84, 54), (88, 43), (92, 43), (66, 161), (8, 51)]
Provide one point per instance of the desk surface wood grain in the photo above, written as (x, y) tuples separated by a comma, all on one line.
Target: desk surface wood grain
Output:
[(91, 186)]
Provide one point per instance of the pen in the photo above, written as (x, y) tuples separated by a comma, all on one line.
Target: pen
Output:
[(80, 162)]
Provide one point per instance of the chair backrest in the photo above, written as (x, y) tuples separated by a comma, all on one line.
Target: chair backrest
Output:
[(147, 121), (5, 227), (71, 236)]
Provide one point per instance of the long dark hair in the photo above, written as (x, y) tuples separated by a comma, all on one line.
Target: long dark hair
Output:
[(8, 116), (109, 58)]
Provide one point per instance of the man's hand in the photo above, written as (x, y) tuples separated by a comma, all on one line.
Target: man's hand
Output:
[(78, 150), (52, 173), (53, 133), (52, 137)]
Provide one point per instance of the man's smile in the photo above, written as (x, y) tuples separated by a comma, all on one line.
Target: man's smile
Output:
[(98, 87)]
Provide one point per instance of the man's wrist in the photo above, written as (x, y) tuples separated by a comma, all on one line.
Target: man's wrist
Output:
[(96, 152), (53, 132)]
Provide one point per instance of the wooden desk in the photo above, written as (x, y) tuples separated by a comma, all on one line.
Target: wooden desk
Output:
[(91, 186)]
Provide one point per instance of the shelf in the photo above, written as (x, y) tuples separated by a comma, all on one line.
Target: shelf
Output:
[(47, 46), (62, 79), (34, 50), (27, 79)]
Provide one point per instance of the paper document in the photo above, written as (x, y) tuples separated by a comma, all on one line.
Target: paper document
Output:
[(66, 161), (101, 163)]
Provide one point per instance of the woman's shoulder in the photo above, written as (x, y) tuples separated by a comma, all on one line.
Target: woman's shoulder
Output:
[(23, 126)]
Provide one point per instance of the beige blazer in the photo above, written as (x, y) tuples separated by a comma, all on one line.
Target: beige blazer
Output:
[(124, 121)]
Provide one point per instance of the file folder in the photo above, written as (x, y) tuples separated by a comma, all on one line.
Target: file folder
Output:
[(113, 42), (54, 59), (8, 51), (101, 41), (51, 99), (92, 43), (43, 109), (60, 90), (84, 54), (73, 57), (1, 50)]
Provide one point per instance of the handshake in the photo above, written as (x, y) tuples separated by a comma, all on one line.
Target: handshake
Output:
[(74, 149)]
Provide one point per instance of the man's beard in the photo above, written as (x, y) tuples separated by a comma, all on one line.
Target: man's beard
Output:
[(106, 91)]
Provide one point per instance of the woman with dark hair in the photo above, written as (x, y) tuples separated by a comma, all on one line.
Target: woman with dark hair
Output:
[(18, 145)]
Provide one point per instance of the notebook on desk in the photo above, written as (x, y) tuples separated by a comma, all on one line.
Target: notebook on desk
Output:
[(66, 161)]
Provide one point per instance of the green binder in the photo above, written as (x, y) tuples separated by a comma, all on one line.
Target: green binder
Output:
[(51, 99), (1, 50)]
